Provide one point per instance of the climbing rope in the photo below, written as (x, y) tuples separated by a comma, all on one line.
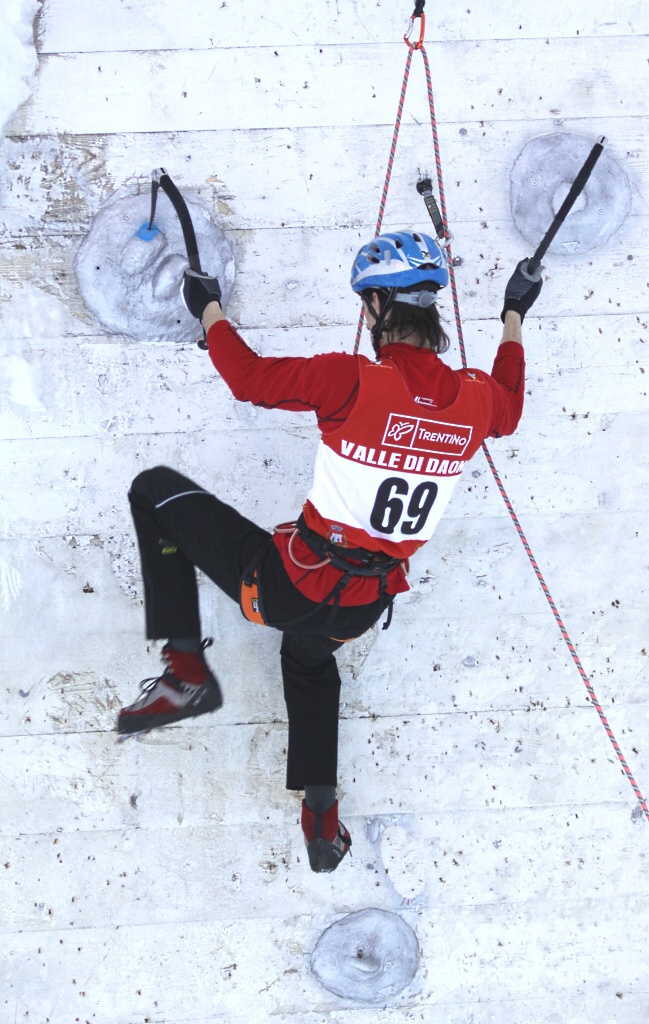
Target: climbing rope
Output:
[(418, 13), (388, 175)]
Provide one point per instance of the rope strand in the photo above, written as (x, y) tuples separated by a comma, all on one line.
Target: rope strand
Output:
[(388, 176), (564, 632)]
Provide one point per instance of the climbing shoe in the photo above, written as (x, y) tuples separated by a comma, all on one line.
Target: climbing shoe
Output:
[(327, 840), (186, 688)]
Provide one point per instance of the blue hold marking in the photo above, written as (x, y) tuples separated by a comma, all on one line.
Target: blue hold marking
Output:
[(147, 234)]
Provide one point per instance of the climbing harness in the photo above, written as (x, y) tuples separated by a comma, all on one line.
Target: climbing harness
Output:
[(424, 188), (160, 179), (350, 561)]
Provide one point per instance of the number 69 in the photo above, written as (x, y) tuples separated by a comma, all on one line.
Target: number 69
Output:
[(388, 507)]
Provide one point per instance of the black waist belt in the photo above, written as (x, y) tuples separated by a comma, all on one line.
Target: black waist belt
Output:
[(355, 561)]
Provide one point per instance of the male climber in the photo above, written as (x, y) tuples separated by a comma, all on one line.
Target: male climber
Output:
[(395, 435)]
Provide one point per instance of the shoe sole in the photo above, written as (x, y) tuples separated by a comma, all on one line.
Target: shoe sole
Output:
[(211, 701)]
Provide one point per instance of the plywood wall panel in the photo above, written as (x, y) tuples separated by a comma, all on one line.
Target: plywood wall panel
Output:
[(84, 782), (518, 942), (105, 387), (314, 283), (280, 177), (67, 26), (501, 857), (310, 85), (84, 486)]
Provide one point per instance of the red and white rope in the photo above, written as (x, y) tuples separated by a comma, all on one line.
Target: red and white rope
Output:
[(388, 175)]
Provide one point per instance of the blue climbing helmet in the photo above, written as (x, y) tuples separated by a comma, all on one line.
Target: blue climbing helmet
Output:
[(400, 260)]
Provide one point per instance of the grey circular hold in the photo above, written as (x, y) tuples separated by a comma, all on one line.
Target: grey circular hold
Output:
[(130, 277), (352, 956), (551, 163)]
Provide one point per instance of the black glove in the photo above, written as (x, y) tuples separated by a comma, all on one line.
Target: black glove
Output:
[(197, 289), (522, 290)]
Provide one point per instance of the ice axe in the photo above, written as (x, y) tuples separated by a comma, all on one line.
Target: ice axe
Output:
[(577, 187), (160, 179)]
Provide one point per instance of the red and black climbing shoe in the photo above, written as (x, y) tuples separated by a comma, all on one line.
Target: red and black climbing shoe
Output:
[(327, 840), (186, 688)]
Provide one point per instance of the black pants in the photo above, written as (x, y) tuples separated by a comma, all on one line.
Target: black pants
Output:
[(181, 526)]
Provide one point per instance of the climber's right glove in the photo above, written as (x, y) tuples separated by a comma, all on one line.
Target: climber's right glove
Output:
[(522, 290)]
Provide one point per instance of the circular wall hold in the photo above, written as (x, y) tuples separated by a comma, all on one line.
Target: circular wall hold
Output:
[(369, 956), (130, 276), (540, 180)]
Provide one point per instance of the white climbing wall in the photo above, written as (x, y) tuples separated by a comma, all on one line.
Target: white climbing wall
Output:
[(166, 880)]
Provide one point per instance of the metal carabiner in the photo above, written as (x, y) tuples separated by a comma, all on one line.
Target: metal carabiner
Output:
[(422, 28)]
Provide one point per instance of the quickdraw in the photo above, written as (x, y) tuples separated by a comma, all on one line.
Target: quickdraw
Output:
[(425, 189)]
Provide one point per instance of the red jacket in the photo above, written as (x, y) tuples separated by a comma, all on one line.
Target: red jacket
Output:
[(328, 385)]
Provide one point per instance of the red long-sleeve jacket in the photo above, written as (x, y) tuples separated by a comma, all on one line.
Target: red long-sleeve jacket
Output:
[(328, 385)]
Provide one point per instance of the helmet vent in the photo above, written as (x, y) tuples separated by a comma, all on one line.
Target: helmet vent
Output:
[(398, 243), (375, 248), (372, 259), (417, 238)]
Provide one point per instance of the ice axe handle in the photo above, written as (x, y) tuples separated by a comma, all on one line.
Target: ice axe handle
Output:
[(576, 189), (160, 179)]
